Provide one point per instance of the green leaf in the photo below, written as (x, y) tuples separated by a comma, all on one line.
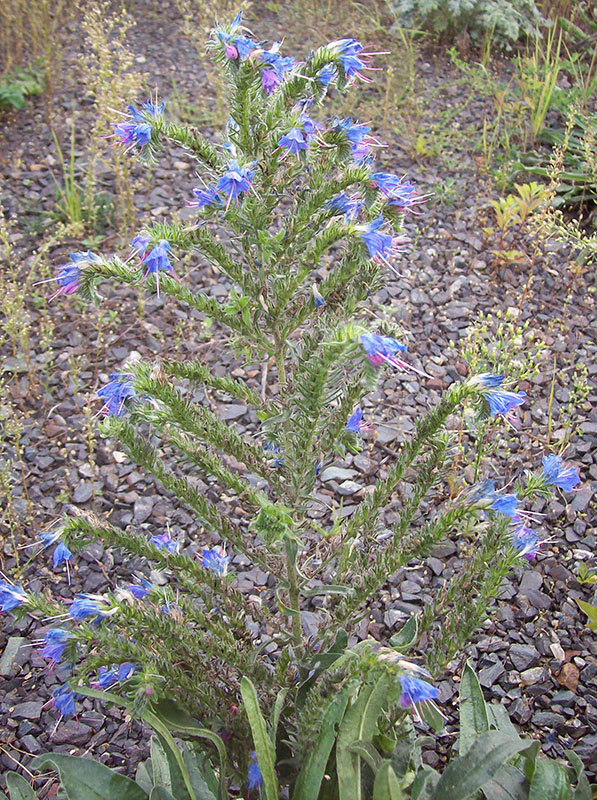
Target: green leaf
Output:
[(465, 775), (508, 784), (159, 764), (583, 787), (276, 712), (205, 783), (179, 720), (591, 612), (266, 755), (143, 776), (311, 775), (550, 781), (160, 793), (368, 753), (386, 786), (407, 635), (474, 719), (359, 724), (326, 588), (500, 719), (85, 779), (424, 783), (19, 788)]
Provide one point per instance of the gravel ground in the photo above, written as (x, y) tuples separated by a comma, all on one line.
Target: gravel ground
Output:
[(534, 654)]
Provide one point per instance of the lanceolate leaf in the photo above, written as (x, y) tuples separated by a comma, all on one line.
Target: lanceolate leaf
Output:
[(583, 788), (465, 775), (19, 788), (474, 719), (407, 635), (266, 755), (549, 782), (359, 724), (85, 779), (386, 786), (311, 775), (508, 784)]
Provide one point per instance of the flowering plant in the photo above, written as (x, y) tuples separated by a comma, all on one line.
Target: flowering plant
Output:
[(312, 227)]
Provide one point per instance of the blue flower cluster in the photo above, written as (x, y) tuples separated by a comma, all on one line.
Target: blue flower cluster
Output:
[(525, 539)]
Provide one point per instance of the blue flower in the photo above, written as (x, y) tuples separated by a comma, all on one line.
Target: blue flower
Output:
[(140, 590), (506, 504), (277, 66), (525, 540), (254, 773), (156, 261), (244, 46), (318, 298), (488, 380), (55, 642), (88, 605), (206, 198), (354, 421), (165, 542), (215, 560), (556, 473), (108, 677), (343, 204), (378, 244), (326, 75), (68, 276), (415, 690), (351, 57), (155, 110), (61, 554), (116, 393), (133, 134), (276, 450), (386, 182), (485, 496), (380, 349), (11, 596), (63, 698), (355, 132), (502, 402), (404, 196), (235, 181), (294, 141)]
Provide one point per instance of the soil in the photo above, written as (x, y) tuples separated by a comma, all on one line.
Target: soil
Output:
[(535, 653)]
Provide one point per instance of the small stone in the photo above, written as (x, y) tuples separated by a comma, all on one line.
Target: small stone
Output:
[(532, 676), (338, 474), (348, 488), (568, 676), (489, 675), (29, 710), (557, 651), (83, 492), (520, 711), (72, 732), (392, 617), (142, 508), (523, 656), (13, 657), (31, 744), (548, 719), (232, 411)]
